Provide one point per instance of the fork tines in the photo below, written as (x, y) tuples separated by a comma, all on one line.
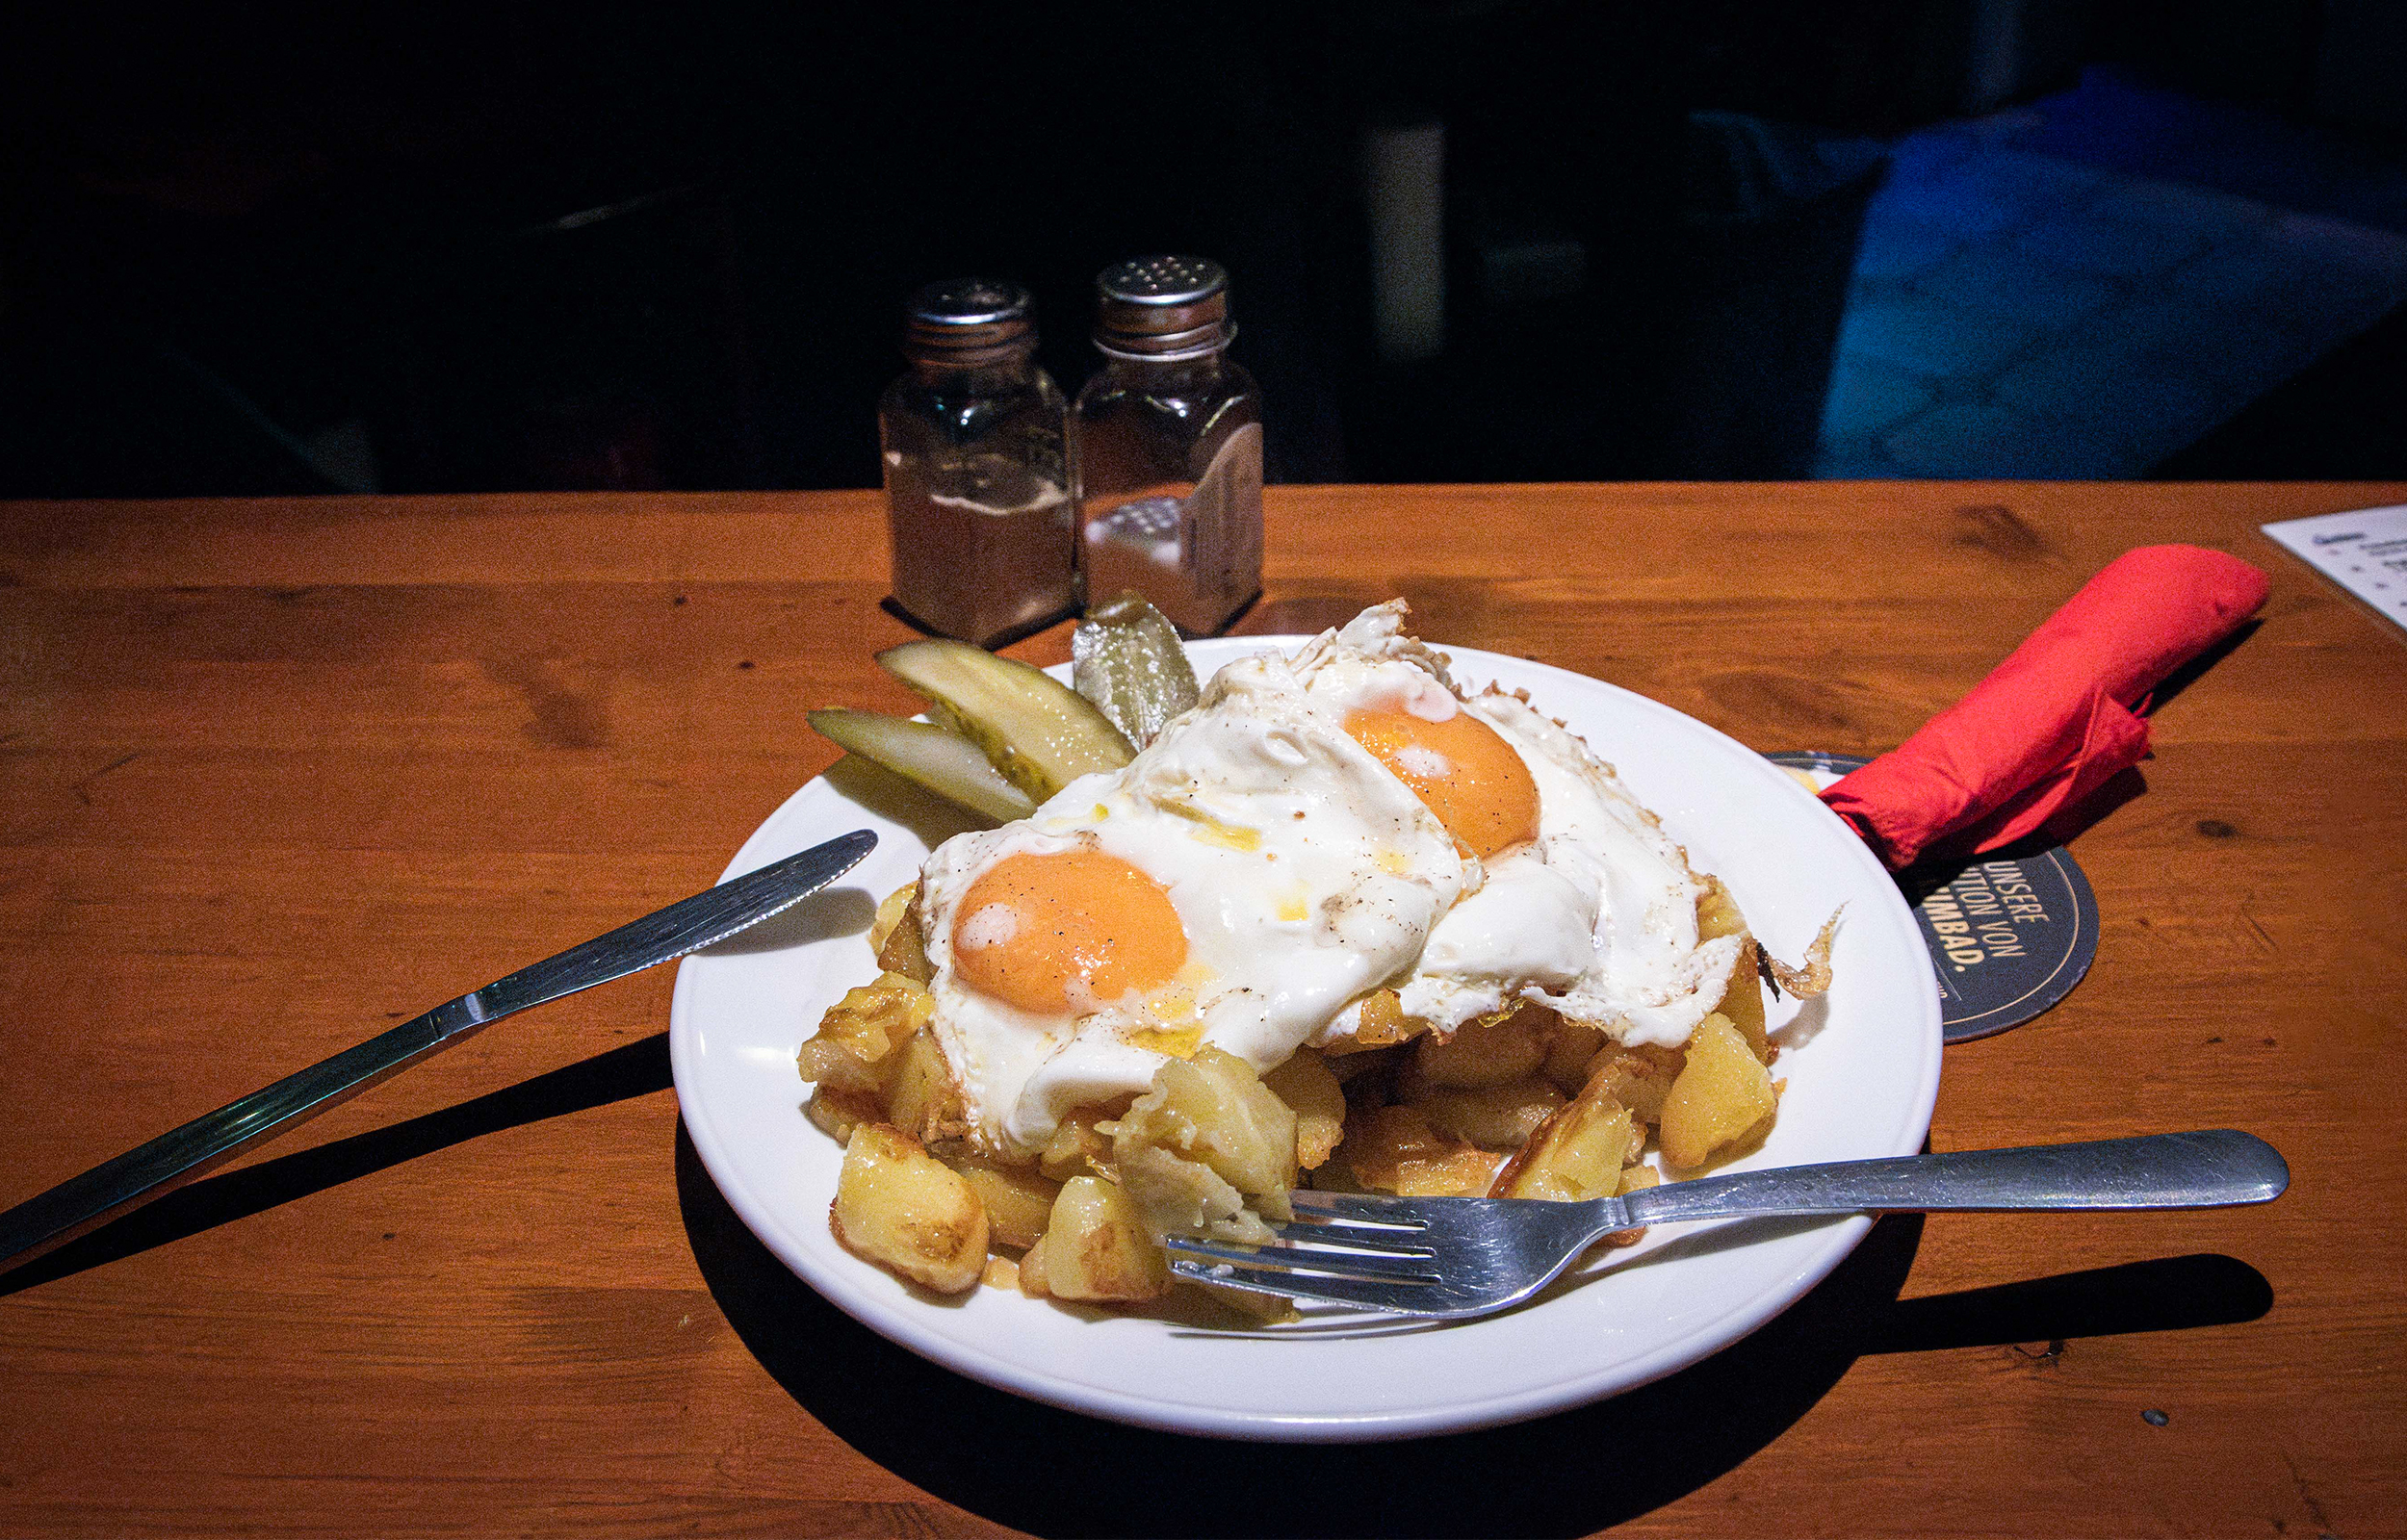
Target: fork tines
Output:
[(1337, 1240)]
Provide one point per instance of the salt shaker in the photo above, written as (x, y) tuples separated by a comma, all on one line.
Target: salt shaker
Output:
[(1166, 447), (977, 486)]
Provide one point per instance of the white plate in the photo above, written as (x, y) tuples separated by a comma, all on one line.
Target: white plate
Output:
[(1862, 1070)]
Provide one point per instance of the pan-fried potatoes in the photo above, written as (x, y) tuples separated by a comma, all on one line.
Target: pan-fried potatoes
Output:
[(1311, 1090), (854, 1050), (907, 1211), (1578, 1153), (1723, 1100), (1524, 1103), (1397, 1149), (1215, 1110), (1097, 1248), (1018, 1203), (1500, 1117)]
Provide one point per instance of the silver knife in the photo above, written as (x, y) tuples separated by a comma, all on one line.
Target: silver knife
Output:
[(136, 1177)]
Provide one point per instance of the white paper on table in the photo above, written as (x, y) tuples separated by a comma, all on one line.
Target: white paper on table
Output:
[(2365, 552)]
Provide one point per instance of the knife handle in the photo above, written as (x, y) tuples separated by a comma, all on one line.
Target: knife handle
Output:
[(86, 1202)]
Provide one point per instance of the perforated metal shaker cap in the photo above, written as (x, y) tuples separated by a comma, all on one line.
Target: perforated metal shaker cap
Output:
[(969, 320), (1162, 307)]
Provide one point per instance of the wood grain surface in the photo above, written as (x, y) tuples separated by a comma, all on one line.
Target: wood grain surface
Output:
[(273, 775)]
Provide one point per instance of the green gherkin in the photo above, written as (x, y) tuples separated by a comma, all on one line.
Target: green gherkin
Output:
[(1127, 659), (1037, 732)]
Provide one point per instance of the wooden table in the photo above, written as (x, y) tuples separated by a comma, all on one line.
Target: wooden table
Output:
[(274, 774)]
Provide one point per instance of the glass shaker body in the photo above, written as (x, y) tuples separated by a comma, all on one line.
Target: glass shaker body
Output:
[(1167, 450), (978, 491)]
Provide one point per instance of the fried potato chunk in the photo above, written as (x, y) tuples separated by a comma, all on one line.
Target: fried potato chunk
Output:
[(891, 911), (897, 937), (1214, 1108), (1097, 1248), (1311, 1089), (1721, 1101), (1487, 1052), (1395, 1150), (1571, 1054), (1640, 1077), (1079, 1146), (838, 1113), (1743, 997), (1381, 1024), (1018, 1203), (900, 1207), (920, 1096), (857, 1035), (1498, 1118), (1633, 1178), (1178, 1196), (1580, 1153), (1248, 1306)]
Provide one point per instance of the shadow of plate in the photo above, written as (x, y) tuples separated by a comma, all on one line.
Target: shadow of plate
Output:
[(1002, 1457)]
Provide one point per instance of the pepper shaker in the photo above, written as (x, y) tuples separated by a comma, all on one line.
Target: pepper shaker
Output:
[(976, 476)]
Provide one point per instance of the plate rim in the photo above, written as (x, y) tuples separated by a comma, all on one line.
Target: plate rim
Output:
[(1835, 1240)]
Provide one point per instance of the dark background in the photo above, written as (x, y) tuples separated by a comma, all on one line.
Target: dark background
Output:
[(250, 250)]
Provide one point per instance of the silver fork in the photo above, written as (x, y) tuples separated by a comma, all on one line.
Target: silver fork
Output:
[(1457, 1257)]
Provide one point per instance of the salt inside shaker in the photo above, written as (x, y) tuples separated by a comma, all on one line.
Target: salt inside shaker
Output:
[(977, 486), (1166, 447)]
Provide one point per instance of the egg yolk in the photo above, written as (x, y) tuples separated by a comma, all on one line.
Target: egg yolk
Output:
[(1068, 932), (1460, 768)]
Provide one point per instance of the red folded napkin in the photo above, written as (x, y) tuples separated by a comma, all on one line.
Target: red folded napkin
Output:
[(2059, 717)]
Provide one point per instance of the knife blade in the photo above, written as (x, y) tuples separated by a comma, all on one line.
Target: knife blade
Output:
[(85, 1202)]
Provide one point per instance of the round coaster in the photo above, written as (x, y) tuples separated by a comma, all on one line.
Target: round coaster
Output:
[(2010, 934)]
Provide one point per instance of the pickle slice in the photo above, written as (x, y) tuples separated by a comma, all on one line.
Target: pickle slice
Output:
[(1041, 733), (1126, 658), (925, 754)]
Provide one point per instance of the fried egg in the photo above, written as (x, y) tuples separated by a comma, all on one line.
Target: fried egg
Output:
[(1581, 901), (1314, 830), (1237, 884)]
